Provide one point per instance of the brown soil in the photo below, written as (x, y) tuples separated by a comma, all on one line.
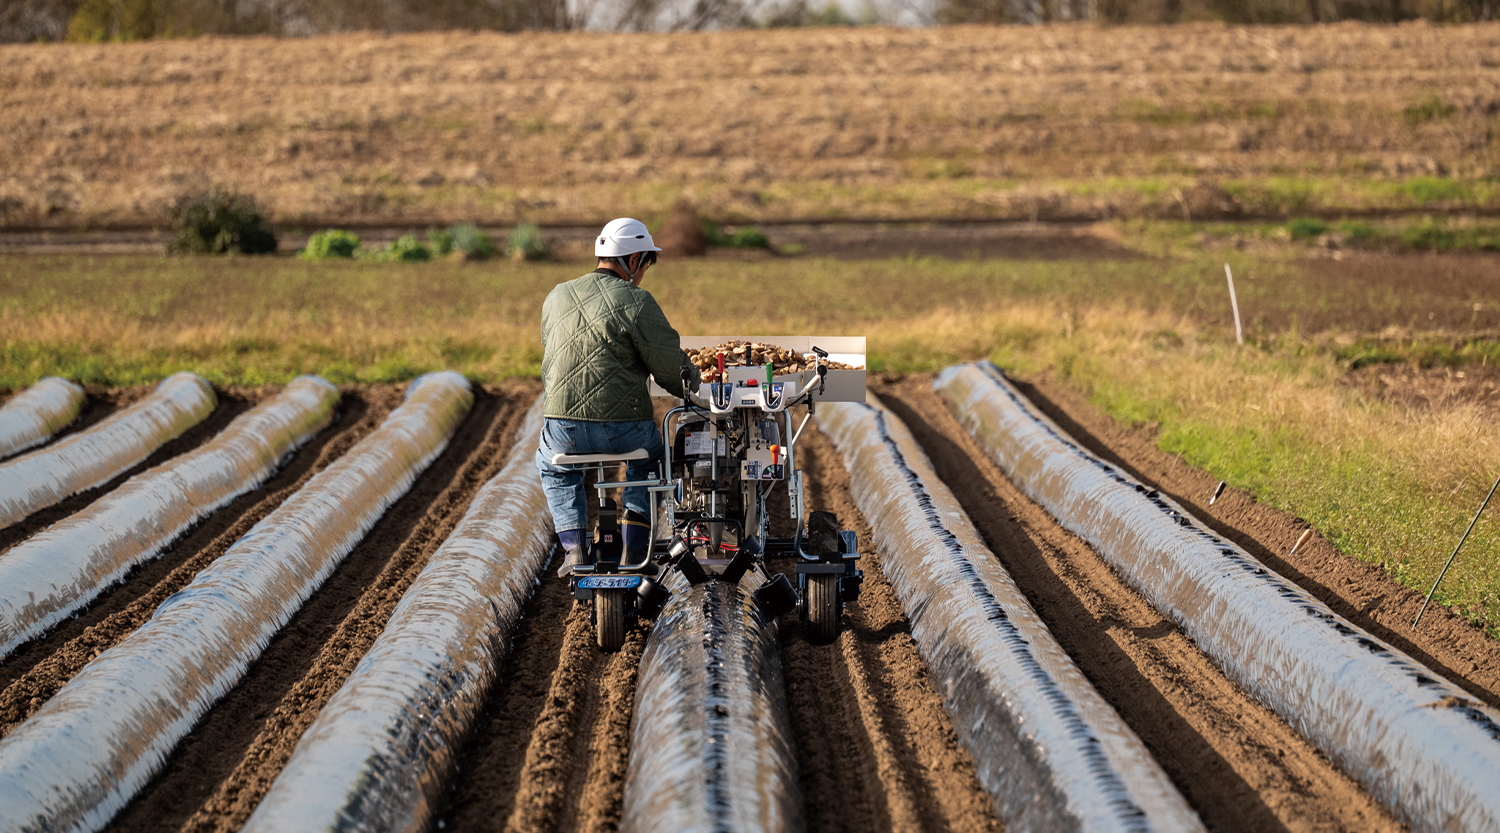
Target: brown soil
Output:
[(1391, 294), (1424, 389), (1238, 764), (550, 751), (1360, 592)]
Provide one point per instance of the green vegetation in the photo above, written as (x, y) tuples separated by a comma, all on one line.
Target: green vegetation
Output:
[(331, 243), (527, 243), (219, 221), (1430, 108), (1148, 341), (744, 238), (1427, 233), (404, 248)]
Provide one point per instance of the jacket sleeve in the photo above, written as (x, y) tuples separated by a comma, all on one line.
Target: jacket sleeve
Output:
[(660, 348)]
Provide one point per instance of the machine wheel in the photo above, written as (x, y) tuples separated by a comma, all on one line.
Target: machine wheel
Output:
[(822, 609), (609, 619)]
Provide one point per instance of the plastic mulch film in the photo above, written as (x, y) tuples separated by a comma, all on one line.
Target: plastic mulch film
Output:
[(1421, 746), (380, 755), (81, 757), (86, 459), (1049, 750), (58, 570), (36, 414), (710, 749)]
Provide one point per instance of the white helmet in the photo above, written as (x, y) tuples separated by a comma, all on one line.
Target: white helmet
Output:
[(624, 236)]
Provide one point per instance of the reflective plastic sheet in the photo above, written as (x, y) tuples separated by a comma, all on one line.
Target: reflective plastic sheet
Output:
[(1420, 745), (1050, 752), (710, 748), (82, 756), (381, 753), (38, 413), (88, 458), (58, 570)]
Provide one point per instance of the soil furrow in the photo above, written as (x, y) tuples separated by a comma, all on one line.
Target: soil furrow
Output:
[(31, 675), (222, 737), (237, 796), (876, 749), (1238, 764), (229, 407), (1447, 643), (490, 765), (550, 750)]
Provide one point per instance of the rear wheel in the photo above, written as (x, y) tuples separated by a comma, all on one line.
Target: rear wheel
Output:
[(609, 619), (822, 607)]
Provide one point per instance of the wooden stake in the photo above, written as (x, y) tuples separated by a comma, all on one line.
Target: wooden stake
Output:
[(1306, 534), (1239, 332)]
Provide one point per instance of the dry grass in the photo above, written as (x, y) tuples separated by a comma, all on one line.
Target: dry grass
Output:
[(967, 121)]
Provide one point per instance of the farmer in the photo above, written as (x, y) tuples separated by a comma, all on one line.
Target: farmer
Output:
[(602, 335)]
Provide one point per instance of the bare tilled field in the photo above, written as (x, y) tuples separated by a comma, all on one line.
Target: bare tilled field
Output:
[(545, 741), (1002, 123)]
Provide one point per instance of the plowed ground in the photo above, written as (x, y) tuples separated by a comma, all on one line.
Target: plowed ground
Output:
[(875, 748)]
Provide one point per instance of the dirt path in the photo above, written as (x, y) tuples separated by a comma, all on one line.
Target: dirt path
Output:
[(550, 750), (1239, 765)]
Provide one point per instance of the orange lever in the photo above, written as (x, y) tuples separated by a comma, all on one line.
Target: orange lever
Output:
[(775, 454)]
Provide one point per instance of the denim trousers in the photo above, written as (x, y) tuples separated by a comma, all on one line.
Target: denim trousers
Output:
[(563, 486)]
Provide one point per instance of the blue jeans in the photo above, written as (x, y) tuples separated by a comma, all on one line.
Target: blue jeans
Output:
[(564, 486)]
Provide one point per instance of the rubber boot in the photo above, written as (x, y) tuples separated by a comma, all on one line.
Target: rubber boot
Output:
[(636, 532), (575, 552)]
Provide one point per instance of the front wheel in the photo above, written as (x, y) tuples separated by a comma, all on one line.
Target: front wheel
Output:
[(822, 611), (609, 619)]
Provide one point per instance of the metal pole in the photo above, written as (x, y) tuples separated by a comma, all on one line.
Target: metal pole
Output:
[(1455, 552), (1239, 334)]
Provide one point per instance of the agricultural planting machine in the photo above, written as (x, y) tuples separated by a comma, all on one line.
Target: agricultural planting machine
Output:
[(728, 448)]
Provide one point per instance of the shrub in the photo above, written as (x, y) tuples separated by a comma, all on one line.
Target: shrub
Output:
[(745, 238), (404, 248), (1303, 227), (527, 243), (217, 222), (331, 243), (440, 241), (749, 238), (472, 243)]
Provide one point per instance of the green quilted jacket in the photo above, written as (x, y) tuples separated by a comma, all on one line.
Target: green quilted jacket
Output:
[(602, 337)]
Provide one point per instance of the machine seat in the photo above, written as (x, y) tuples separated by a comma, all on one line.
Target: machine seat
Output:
[(596, 459)]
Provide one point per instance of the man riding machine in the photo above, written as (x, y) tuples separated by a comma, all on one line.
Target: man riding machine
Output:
[(707, 489)]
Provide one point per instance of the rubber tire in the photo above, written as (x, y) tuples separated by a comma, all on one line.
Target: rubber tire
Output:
[(822, 609), (609, 619)]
